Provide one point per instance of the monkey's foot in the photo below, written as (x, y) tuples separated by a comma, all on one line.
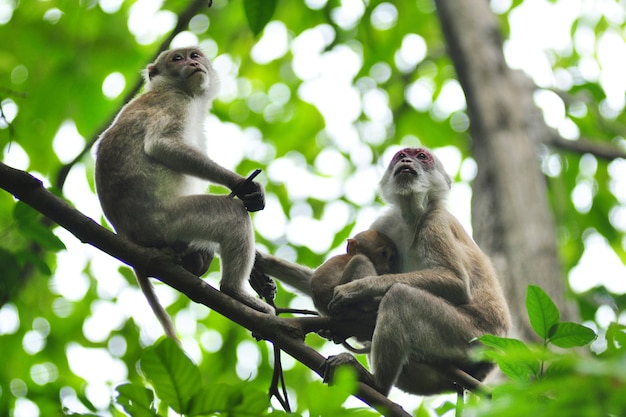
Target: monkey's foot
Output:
[(343, 359), (332, 336), (263, 285), (250, 301)]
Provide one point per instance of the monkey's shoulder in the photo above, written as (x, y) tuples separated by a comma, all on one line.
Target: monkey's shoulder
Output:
[(152, 105), (440, 221)]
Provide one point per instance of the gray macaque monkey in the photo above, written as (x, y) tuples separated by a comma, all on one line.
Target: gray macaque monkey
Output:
[(152, 171), (444, 295)]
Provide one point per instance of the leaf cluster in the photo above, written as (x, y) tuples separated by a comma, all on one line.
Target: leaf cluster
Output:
[(556, 376), (175, 383), (178, 384)]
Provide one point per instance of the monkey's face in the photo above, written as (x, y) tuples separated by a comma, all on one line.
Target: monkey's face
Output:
[(412, 171), (188, 65), (187, 68)]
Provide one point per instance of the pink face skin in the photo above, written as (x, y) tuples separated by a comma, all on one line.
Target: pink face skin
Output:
[(405, 159), (413, 173)]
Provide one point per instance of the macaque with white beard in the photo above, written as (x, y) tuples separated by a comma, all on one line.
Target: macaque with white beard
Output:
[(445, 294)]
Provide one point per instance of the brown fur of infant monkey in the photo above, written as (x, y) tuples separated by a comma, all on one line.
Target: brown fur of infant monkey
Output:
[(368, 253), (152, 169)]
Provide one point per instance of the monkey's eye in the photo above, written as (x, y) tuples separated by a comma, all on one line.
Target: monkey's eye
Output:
[(401, 155), (421, 155), (195, 55), (177, 57)]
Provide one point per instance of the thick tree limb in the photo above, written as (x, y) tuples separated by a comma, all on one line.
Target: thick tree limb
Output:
[(288, 334)]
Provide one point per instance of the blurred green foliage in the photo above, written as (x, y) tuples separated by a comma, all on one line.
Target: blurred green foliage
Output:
[(54, 59)]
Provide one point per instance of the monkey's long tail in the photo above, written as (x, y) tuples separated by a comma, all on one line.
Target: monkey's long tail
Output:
[(157, 308)]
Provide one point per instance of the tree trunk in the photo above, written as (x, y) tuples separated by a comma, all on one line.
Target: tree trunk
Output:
[(511, 217)]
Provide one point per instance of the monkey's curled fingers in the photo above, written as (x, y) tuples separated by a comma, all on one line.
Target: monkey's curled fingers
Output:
[(348, 294), (252, 195), (263, 285)]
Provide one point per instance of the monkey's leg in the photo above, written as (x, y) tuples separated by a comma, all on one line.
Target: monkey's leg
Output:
[(206, 220), (413, 325), (346, 359)]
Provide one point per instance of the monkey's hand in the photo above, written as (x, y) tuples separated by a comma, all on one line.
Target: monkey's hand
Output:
[(251, 193), (346, 296)]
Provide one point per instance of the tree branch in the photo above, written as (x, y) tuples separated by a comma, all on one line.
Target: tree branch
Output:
[(601, 150), (287, 334)]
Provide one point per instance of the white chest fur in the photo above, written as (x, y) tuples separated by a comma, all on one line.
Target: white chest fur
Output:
[(194, 136)]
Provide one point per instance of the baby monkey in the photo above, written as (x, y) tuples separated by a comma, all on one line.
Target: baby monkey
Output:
[(152, 170), (369, 253)]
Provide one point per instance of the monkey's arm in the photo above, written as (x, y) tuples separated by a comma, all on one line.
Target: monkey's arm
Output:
[(445, 255), (438, 281), (295, 275), (167, 142), (180, 157)]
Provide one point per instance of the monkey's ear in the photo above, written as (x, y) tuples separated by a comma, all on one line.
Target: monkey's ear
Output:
[(352, 245), (151, 72)]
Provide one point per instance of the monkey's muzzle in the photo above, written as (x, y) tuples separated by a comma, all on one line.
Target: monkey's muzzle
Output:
[(405, 169), (197, 70)]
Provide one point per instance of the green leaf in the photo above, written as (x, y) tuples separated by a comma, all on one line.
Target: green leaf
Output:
[(422, 411), (22, 212), (513, 357), (10, 282), (29, 257), (441, 410), (615, 339), (136, 400), (542, 312), (568, 335), (501, 343), (176, 379), (323, 400), (216, 398), (29, 225), (254, 402), (258, 13), (42, 235)]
